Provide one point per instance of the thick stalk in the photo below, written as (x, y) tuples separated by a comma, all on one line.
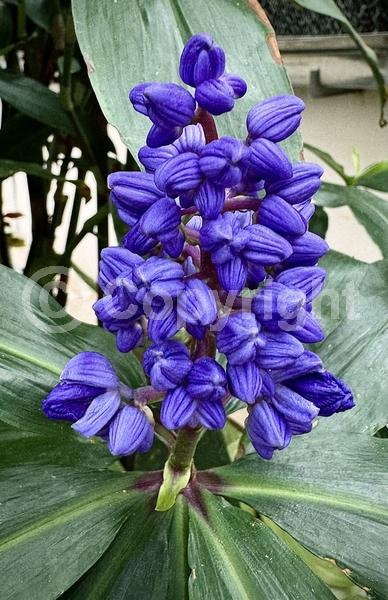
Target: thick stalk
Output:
[(178, 467)]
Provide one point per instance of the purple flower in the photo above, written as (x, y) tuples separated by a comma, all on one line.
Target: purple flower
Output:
[(224, 161), (281, 217), (304, 182), (167, 364), (168, 105), (268, 161), (327, 392), (198, 401), (275, 118), (132, 194), (148, 287), (160, 223), (201, 59), (267, 429), (90, 396), (233, 245), (217, 96)]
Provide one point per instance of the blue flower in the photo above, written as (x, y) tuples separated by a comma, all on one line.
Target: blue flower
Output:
[(275, 118), (233, 245), (267, 429), (268, 161), (202, 66), (90, 396), (132, 194), (198, 400), (167, 364), (224, 161), (159, 224), (217, 96), (322, 388), (281, 217), (304, 182), (168, 105), (201, 59)]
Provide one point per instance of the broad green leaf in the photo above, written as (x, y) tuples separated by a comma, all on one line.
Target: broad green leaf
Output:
[(375, 176), (37, 338), (330, 493), (146, 561), (127, 42), (236, 557), (60, 510), (330, 9), (370, 210), (353, 309), (325, 569), (34, 100)]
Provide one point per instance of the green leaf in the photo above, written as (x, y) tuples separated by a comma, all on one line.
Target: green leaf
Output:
[(10, 167), (330, 161), (146, 561), (325, 569), (59, 511), (22, 138), (236, 557), (37, 338), (123, 47), (375, 176), (353, 310), (330, 493), (319, 222), (370, 210), (330, 9), (34, 100)]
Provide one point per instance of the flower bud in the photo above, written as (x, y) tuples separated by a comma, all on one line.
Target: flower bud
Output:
[(166, 364), (278, 215), (245, 381), (326, 391), (268, 161), (267, 429), (201, 59), (301, 185), (275, 118)]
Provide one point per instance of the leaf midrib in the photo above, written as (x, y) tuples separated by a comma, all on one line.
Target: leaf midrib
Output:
[(52, 520), (247, 493), (31, 359)]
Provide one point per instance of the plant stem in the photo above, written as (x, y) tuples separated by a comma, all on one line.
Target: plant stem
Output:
[(186, 443), (178, 468)]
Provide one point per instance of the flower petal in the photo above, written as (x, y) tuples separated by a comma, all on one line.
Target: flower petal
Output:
[(297, 411), (177, 408), (69, 400), (267, 430), (129, 431), (211, 414), (206, 380), (90, 368), (245, 381), (232, 275), (99, 413)]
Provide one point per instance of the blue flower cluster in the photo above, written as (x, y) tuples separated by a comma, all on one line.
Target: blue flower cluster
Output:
[(208, 218)]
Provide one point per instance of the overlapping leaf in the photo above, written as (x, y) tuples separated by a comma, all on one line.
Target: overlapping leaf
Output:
[(329, 493)]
